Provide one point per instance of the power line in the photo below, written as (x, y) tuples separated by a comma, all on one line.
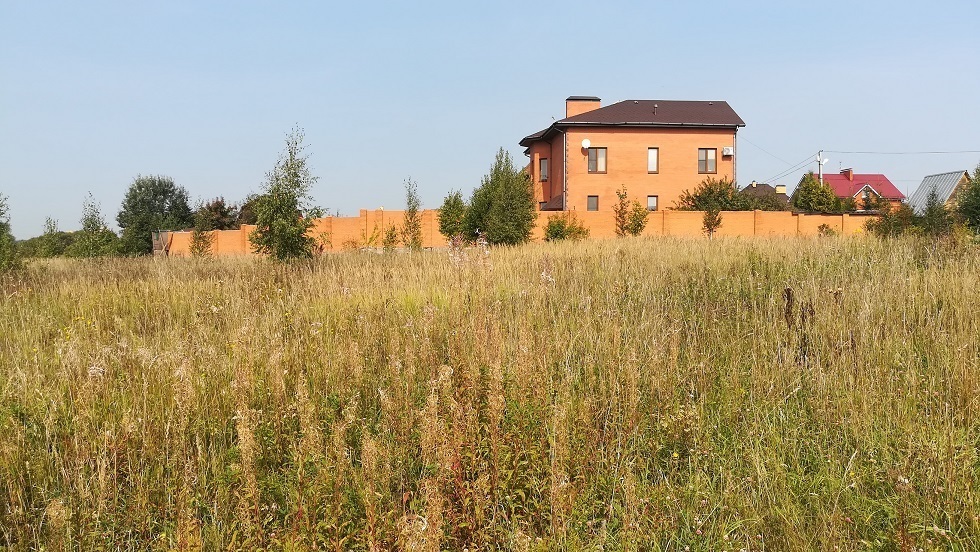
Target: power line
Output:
[(809, 159), (763, 150), (903, 152)]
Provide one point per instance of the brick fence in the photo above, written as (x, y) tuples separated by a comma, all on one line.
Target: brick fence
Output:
[(368, 228)]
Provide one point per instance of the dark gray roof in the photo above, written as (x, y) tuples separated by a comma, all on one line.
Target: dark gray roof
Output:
[(649, 113), (944, 184), (660, 112)]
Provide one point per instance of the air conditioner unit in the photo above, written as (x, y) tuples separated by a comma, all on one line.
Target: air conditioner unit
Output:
[(728, 152)]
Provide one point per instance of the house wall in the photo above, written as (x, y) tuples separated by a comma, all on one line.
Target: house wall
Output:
[(626, 163), (367, 229)]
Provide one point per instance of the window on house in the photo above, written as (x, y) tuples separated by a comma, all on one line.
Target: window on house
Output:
[(543, 170), (653, 160), (707, 160), (597, 160), (652, 203), (593, 203)]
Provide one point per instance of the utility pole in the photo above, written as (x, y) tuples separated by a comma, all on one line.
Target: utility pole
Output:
[(820, 166)]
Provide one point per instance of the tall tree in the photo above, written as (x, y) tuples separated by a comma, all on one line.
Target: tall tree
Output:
[(968, 202), (512, 214), (151, 203), (216, 214), (9, 258), (813, 197), (284, 211), (412, 226), (451, 215), (95, 239)]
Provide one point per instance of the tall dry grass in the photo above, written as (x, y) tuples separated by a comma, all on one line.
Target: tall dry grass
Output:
[(629, 395)]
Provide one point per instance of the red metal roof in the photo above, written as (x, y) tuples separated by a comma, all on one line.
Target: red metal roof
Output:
[(851, 187)]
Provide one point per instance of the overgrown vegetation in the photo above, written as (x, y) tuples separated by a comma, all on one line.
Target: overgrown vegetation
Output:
[(630, 216), (9, 255), (565, 226), (617, 395)]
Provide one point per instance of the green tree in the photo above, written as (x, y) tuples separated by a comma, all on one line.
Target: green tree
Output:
[(511, 217), (390, 240), (151, 203), (813, 197), (9, 257), (630, 216), (711, 221), (892, 222), (565, 227), (246, 211), (968, 202), (216, 214), (476, 217), (936, 220), (284, 212), (711, 193), (451, 215), (412, 225), (95, 239)]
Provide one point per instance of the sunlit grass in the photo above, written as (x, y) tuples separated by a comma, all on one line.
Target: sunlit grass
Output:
[(635, 394)]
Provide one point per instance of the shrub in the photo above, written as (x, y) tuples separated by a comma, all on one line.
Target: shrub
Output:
[(711, 193), (813, 197), (631, 217), (565, 226)]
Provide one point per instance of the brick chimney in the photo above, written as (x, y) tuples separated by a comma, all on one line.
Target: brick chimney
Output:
[(849, 173), (576, 105), (781, 189)]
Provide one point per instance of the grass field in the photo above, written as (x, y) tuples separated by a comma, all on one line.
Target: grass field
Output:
[(635, 394)]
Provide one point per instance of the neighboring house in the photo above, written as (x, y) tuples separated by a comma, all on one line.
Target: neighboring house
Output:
[(656, 148), (860, 187), (947, 186), (762, 191)]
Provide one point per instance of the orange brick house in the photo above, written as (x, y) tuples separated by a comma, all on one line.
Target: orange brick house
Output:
[(656, 148)]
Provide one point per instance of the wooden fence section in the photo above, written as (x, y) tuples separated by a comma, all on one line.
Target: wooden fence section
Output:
[(368, 229)]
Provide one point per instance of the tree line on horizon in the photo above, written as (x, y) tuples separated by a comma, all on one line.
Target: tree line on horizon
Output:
[(499, 211)]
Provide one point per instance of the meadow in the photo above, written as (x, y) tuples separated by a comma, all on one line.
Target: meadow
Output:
[(631, 394)]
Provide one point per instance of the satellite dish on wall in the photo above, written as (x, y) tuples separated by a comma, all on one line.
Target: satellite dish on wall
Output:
[(586, 143)]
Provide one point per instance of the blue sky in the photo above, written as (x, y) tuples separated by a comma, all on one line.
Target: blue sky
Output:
[(94, 93)]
